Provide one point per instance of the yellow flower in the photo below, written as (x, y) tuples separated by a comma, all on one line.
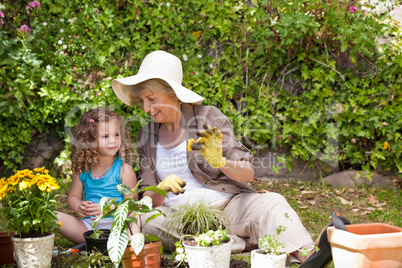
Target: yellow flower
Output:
[(14, 179), (386, 146), (60, 224), (42, 186), (38, 170), (24, 184)]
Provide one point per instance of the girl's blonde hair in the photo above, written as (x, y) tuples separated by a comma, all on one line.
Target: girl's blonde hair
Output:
[(84, 153)]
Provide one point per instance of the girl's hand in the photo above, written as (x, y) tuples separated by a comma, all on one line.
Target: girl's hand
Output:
[(82, 208), (93, 210)]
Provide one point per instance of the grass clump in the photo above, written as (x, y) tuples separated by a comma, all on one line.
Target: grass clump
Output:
[(196, 218)]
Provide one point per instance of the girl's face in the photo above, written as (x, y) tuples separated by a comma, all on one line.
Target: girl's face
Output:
[(109, 139), (162, 108)]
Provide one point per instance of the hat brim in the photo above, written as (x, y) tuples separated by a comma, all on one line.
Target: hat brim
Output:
[(125, 89)]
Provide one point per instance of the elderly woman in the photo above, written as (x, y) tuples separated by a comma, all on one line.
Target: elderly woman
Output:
[(216, 167)]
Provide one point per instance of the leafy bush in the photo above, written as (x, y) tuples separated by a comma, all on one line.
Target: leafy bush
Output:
[(320, 78)]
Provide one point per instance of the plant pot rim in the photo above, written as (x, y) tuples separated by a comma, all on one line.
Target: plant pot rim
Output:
[(259, 251), (15, 238), (214, 246)]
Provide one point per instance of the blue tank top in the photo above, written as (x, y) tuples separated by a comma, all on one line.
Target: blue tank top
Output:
[(95, 189)]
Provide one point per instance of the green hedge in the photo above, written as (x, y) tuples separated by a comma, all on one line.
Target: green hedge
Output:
[(309, 76)]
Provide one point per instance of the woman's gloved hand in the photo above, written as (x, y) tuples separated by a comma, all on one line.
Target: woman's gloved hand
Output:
[(172, 183), (209, 144)]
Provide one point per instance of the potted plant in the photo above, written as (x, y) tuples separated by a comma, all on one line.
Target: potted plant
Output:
[(140, 249), (6, 247), (96, 240), (268, 254), (27, 208), (204, 241), (195, 218), (209, 249)]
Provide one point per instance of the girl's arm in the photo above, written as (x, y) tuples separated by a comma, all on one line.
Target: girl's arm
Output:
[(127, 176), (75, 196)]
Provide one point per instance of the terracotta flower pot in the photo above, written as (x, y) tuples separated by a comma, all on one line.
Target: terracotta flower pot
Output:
[(6, 249), (369, 245), (34, 251), (149, 257)]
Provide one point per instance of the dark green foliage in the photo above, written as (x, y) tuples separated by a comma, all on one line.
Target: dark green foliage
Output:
[(309, 76)]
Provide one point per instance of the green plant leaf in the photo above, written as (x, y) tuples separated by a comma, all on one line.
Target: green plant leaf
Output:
[(117, 244), (138, 242)]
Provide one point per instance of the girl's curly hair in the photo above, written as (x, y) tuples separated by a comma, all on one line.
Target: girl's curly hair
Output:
[(84, 153)]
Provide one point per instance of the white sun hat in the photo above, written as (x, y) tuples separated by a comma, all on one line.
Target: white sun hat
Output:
[(157, 64)]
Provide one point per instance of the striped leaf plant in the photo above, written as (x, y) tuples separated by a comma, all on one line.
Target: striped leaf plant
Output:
[(126, 214)]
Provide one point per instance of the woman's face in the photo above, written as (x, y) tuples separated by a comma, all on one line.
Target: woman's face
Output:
[(162, 108)]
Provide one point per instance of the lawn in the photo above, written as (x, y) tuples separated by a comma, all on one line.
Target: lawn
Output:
[(314, 202)]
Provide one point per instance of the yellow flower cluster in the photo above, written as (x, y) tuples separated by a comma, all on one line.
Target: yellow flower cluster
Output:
[(26, 178)]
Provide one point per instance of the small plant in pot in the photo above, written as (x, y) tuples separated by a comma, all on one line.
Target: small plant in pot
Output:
[(204, 242), (209, 249), (127, 227), (268, 254), (195, 218), (96, 239)]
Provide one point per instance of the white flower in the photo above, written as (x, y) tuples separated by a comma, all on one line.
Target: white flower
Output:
[(184, 57), (211, 66), (62, 52), (48, 67), (64, 46), (179, 257), (70, 20), (196, 72), (179, 250), (61, 20), (43, 79), (199, 56), (83, 47), (168, 4), (60, 42), (61, 30), (45, 24)]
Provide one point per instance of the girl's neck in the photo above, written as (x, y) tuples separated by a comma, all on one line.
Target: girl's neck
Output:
[(105, 161), (102, 167)]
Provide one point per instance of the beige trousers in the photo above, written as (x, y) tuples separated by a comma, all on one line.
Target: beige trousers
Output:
[(251, 216)]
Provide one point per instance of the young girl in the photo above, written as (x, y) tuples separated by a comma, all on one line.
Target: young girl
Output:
[(100, 152)]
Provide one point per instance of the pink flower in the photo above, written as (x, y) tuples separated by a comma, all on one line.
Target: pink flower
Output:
[(353, 9), (32, 5), (24, 28), (1, 20)]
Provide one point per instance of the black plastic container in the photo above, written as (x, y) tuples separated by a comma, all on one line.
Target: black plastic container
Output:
[(97, 244)]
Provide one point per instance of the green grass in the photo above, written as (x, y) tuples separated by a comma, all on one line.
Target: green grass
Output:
[(314, 203)]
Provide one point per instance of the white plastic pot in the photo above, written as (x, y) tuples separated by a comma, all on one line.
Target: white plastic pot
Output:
[(262, 260), (209, 257)]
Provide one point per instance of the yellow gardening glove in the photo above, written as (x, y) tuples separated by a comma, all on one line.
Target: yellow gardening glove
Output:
[(173, 184), (209, 144)]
